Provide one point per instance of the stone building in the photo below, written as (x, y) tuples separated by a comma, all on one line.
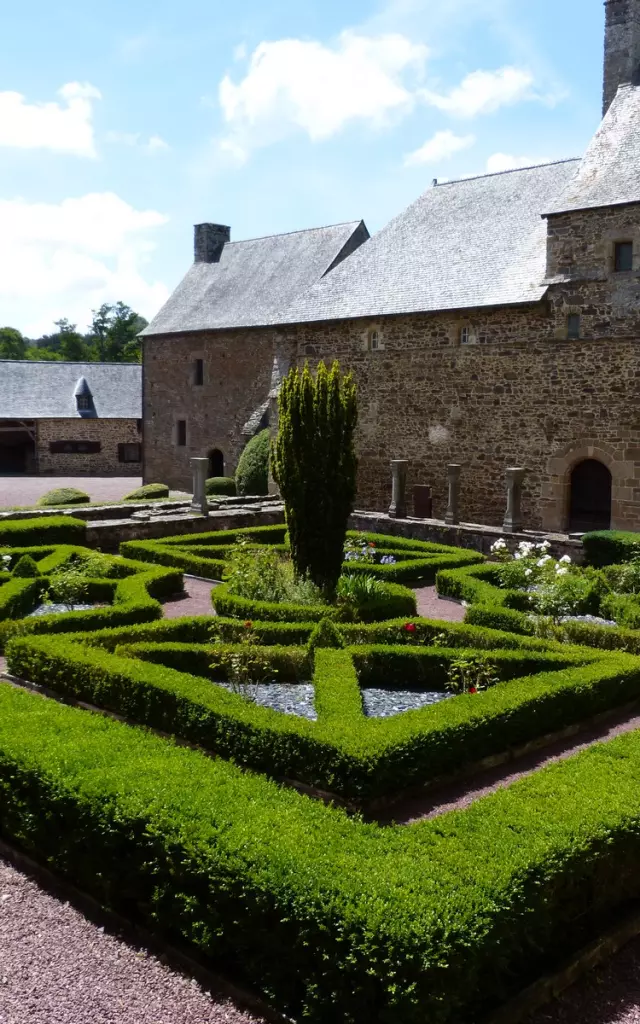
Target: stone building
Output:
[(494, 323), (70, 419)]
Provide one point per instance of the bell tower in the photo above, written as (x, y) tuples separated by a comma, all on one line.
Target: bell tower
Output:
[(621, 48)]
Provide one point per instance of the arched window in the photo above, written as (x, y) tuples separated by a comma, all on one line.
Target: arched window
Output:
[(216, 463), (590, 502)]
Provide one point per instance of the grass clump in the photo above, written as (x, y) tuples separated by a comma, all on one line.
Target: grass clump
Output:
[(149, 491), (62, 496)]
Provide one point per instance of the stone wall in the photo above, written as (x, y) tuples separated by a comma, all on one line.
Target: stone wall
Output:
[(109, 433), (237, 378)]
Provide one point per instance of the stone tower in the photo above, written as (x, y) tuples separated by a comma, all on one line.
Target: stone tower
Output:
[(621, 47)]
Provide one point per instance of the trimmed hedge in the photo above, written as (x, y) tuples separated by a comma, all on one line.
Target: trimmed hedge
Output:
[(547, 688), (394, 602), (225, 485), (135, 594), (610, 547), (204, 554), (29, 533), (327, 917), (63, 496), (148, 491), (252, 474)]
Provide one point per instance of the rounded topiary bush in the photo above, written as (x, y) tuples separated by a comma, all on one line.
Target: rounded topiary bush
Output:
[(252, 474), (26, 568), (63, 496), (147, 492), (224, 485)]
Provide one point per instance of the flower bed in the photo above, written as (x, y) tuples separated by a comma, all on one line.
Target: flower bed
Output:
[(130, 590), (392, 559), (160, 675), (326, 917)]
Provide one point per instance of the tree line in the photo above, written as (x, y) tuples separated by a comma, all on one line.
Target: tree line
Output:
[(111, 337)]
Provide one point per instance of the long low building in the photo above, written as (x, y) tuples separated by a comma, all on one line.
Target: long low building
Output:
[(70, 419)]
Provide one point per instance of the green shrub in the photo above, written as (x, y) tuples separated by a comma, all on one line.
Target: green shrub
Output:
[(26, 567), (63, 496), (606, 547), (147, 492), (325, 634), (390, 602), (29, 533), (224, 485), (328, 918), (252, 474)]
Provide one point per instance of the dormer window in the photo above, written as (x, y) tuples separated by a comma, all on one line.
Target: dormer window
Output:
[(623, 257), (83, 396), (84, 402)]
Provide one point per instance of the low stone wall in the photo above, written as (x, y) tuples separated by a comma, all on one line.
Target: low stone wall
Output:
[(127, 509), (107, 535), (467, 535)]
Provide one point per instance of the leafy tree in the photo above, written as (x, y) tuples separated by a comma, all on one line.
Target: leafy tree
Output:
[(314, 463), (12, 344), (114, 331), (72, 346)]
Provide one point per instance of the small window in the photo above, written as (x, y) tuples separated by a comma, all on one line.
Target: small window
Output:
[(181, 433), (128, 453), (198, 372), (139, 426), (84, 402), (465, 335), (373, 340), (573, 326), (74, 447), (623, 257)]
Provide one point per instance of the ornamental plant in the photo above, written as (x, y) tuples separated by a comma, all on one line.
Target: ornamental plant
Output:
[(313, 461)]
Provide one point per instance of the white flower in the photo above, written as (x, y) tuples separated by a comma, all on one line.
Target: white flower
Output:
[(528, 572), (560, 571), (544, 546), (543, 561), (565, 560)]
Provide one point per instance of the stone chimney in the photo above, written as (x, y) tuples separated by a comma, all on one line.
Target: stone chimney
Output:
[(621, 47), (208, 242)]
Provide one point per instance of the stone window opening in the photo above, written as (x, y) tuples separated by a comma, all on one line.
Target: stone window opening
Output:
[(466, 337), (623, 257), (84, 402), (198, 372), (573, 326), (373, 340), (181, 433), (129, 452)]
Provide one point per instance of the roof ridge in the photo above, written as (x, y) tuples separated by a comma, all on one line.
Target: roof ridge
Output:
[(299, 231), (510, 170), (68, 362)]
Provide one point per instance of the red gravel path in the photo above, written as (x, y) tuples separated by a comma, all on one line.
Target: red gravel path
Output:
[(56, 967), (195, 601), (430, 606)]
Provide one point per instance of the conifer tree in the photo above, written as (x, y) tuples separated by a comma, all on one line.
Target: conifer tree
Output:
[(313, 461)]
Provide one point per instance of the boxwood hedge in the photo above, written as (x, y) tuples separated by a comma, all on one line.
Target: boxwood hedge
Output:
[(547, 687), (328, 918), (609, 547), (27, 533)]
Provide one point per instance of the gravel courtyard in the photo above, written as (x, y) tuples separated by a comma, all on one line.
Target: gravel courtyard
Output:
[(25, 490)]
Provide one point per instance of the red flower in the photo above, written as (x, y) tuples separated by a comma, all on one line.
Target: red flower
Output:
[(371, 544), (473, 689), (410, 627), (248, 625)]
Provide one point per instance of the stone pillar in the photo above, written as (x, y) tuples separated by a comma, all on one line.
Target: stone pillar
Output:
[(452, 515), (398, 507), (513, 517), (199, 501)]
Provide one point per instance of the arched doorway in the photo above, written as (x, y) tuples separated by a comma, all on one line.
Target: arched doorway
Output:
[(216, 463), (590, 499)]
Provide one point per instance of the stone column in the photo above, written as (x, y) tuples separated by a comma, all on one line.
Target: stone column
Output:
[(398, 507), (452, 515), (199, 501), (513, 517)]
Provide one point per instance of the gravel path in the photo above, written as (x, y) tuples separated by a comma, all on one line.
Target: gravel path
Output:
[(196, 600), (56, 967), (458, 795), (430, 606)]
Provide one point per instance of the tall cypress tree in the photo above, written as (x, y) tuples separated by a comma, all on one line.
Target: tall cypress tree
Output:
[(313, 461)]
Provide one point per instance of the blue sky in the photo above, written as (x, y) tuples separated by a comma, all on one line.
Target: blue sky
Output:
[(123, 124)]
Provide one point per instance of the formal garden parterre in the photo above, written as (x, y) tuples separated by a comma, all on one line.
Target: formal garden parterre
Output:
[(324, 914)]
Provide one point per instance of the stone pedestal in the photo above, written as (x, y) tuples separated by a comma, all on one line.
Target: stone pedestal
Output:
[(513, 518), (452, 515), (398, 507), (199, 503)]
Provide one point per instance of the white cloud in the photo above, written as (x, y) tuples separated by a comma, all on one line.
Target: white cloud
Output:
[(506, 162), (483, 92), (154, 144), (65, 127), (240, 51), (296, 84), (442, 146), (66, 259)]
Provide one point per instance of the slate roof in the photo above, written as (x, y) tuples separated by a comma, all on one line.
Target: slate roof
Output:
[(462, 244), (255, 281), (609, 173), (47, 390)]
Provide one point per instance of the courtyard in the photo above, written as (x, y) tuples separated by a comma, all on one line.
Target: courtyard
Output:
[(21, 490)]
